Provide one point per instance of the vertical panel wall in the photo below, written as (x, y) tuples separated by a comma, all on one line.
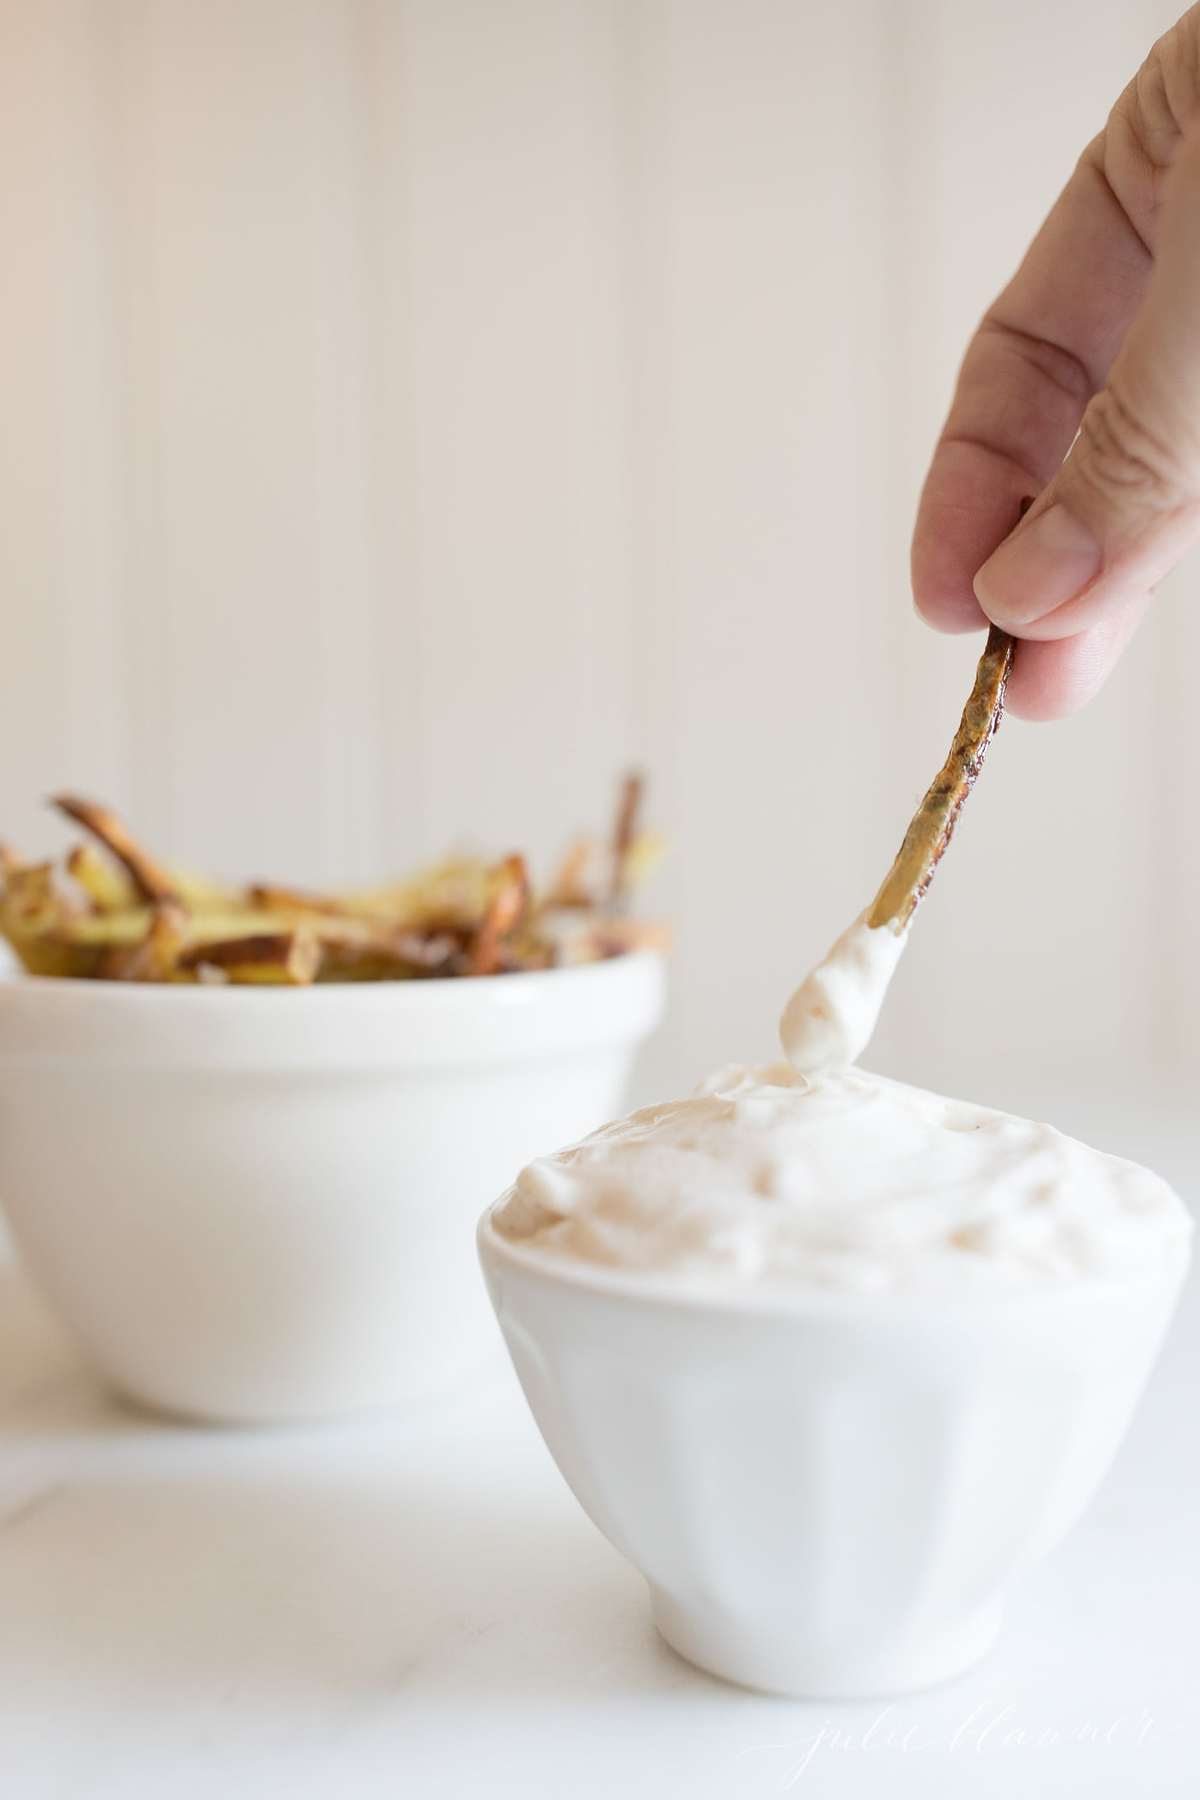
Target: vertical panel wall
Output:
[(416, 408)]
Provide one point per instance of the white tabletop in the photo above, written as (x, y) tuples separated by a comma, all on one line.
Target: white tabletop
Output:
[(420, 1609)]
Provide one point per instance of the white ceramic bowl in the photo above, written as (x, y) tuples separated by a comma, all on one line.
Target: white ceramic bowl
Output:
[(827, 1494), (256, 1204)]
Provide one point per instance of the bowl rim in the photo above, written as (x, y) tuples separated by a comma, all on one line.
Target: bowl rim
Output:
[(56, 1023), (651, 1290)]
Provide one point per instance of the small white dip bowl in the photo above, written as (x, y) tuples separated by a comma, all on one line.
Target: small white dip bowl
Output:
[(827, 1494), (257, 1204)]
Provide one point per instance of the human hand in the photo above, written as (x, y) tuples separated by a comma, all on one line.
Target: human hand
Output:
[(1098, 334)]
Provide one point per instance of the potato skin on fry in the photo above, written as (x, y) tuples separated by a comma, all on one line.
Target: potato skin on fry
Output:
[(571, 886), (51, 956), (130, 919), (933, 824), (107, 885), (290, 900), (152, 882), (389, 955), (285, 958), (629, 806), (156, 956), (504, 913)]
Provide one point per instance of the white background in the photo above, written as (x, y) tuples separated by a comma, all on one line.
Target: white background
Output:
[(415, 409)]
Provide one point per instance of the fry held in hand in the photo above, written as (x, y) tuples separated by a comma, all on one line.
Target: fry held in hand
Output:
[(933, 825)]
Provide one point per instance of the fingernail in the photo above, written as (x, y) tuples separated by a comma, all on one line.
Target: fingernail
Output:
[(1039, 568)]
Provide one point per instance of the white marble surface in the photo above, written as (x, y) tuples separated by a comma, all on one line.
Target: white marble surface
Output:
[(418, 1608)]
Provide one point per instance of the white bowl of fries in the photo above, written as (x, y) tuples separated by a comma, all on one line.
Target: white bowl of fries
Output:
[(245, 1135)]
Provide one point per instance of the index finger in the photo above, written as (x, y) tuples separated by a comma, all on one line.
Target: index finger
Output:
[(1042, 350)]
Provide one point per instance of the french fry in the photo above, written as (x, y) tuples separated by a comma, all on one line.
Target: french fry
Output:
[(933, 824), (291, 900), (629, 806), (123, 916), (283, 958), (37, 922), (357, 948), (452, 896), (151, 881), (31, 900), (107, 885), (53, 956), (234, 921), (620, 937), (389, 956), (156, 956), (505, 910), (570, 887), (107, 931), (590, 939), (645, 854)]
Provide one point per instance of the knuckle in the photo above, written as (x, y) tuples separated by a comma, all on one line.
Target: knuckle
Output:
[(1122, 459), (1161, 102), (1025, 352)]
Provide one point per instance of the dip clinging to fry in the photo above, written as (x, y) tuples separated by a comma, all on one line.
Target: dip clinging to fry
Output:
[(117, 914)]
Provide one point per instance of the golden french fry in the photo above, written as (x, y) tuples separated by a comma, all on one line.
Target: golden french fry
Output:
[(35, 919), (50, 955), (151, 881), (155, 956), (645, 854), (629, 806), (451, 896), (106, 884), (570, 886), (232, 921), (591, 939), (388, 955), (505, 910), (31, 900), (933, 824), (108, 931), (284, 958), (118, 930), (132, 919), (617, 937), (291, 900), (357, 948)]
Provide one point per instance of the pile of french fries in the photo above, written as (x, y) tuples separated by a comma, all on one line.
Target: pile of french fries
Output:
[(116, 914)]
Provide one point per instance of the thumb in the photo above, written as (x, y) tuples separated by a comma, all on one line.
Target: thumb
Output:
[(1125, 504)]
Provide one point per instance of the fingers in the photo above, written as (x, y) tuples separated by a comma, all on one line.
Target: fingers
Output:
[(1051, 680), (1007, 433), (1126, 503), (1033, 365), (1083, 386)]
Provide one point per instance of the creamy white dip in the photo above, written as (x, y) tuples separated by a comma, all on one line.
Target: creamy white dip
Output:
[(815, 1172), (830, 1019)]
